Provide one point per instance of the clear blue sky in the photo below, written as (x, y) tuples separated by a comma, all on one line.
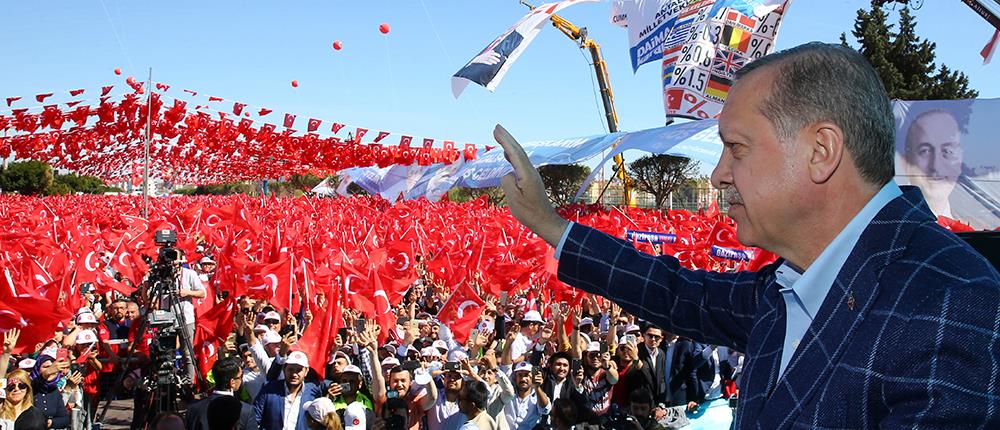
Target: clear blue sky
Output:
[(250, 51)]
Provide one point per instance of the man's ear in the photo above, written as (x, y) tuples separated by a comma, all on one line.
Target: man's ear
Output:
[(826, 144)]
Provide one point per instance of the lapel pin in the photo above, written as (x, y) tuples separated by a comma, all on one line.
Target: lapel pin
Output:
[(850, 302)]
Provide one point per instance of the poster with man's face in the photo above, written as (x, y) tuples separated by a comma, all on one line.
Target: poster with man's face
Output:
[(951, 151)]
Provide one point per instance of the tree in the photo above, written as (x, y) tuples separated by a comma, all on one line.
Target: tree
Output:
[(660, 175), (26, 177), (73, 183), (904, 61), (562, 181), (461, 195)]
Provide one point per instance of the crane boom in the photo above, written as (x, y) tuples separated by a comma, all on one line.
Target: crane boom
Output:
[(580, 35)]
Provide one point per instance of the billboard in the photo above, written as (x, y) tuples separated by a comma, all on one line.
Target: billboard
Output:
[(949, 149)]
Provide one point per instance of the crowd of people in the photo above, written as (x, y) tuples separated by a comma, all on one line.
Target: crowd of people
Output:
[(526, 364)]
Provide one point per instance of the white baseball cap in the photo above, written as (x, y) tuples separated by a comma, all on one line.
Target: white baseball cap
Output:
[(632, 327), (86, 318), (297, 357), (261, 327), (354, 417), (270, 336), (457, 355), (390, 362), (532, 316), (272, 316), (206, 260), (430, 351), (594, 347), (522, 366), (351, 369), (586, 321), (86, 337), (319, 408), (441, 345), (27, 363)]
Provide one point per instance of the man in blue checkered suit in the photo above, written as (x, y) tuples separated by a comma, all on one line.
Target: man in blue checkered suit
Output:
[(875, 316)]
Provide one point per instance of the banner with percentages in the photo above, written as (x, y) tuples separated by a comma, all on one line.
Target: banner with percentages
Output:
[(699, 69)]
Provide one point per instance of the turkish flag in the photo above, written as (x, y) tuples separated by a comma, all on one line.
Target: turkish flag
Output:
[(336, 127), (405, 141), (428, 142), (381, 135), (314, 124), (469, 152), (461, 312), (674, 98), (277, 284), (88, 265), (238, 108), (327, 320), (359, 133), (38, 320), (289, 120), (724, 235)]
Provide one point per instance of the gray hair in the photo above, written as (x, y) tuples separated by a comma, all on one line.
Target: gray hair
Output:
[(828, 82)]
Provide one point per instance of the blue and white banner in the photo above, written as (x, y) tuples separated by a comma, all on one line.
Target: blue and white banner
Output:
[(649, 26), (650, 237), (491, 64), (731, 254), (698, 140)]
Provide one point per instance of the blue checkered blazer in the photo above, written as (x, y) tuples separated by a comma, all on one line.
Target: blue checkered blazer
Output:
[(908, 336)]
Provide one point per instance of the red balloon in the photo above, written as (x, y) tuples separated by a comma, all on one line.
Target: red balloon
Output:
[(384, 28), (130, 80), (118, 71), (295, 83), (337, 45)]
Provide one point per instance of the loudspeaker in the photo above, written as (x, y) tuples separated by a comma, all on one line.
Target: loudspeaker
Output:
[(986, 243)]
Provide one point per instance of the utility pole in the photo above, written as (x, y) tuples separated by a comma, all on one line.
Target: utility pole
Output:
[(149, 137)]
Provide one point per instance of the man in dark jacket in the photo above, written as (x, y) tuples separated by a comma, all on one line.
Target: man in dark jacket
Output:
[(559, 384), (271, 408), (228, 375)]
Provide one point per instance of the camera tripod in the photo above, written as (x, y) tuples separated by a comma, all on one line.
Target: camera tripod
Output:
[(162, 385)]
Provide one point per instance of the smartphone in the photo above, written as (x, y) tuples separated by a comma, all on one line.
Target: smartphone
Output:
[(343, 333), (359, 325), (503, 298), (535, 371), (410, 365), (286, 330), (630, 338), (402, 320), (575, 366), (345, 387), (62, 354), (451, 366), (604, 347)]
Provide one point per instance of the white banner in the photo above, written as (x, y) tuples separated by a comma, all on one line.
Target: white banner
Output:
[(489, 67)]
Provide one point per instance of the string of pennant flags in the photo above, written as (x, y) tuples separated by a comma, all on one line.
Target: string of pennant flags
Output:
[(212, 142)]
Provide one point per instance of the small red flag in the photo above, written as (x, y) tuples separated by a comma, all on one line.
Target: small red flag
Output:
[(41, 97), (238, 108), (381, 135), (289, 120), (264, 111), (314, 124), (336, 128), (75, 93)]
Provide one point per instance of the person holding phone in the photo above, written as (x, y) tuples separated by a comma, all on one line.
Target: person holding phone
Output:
[(45, 378), (531, 403)]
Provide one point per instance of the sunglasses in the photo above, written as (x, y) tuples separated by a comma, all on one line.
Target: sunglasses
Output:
[(14, 384), (654, 336)]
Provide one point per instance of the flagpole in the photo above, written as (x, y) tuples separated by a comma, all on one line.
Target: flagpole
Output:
[(149, 135)]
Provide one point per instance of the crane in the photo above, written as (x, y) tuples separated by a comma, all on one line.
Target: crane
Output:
[(580, 35)]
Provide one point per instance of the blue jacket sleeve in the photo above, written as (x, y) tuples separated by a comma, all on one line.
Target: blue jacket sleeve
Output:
[(709, 307)]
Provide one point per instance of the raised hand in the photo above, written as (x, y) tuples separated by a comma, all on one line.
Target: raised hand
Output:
[(10, 340), (525, 192)]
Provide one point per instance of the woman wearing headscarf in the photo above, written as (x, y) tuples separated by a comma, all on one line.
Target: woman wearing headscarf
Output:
[(46, 380), (17, 411)]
